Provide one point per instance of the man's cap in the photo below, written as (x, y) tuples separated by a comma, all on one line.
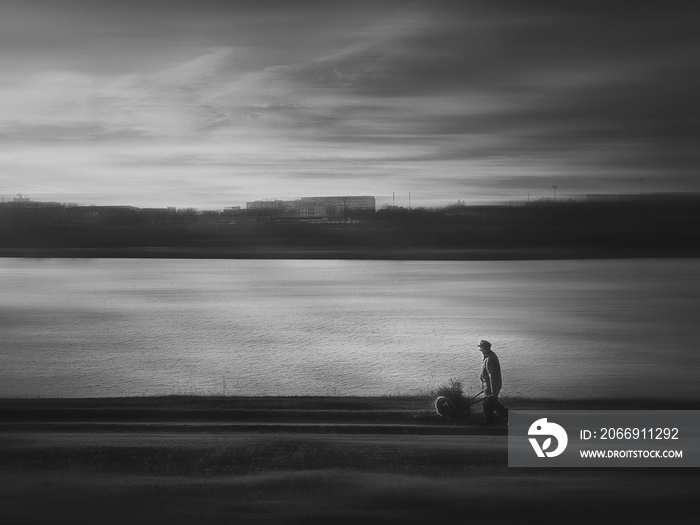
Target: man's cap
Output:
[(484, 344)]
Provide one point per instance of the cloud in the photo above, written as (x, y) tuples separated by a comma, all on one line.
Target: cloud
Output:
[(165, 103), (443, 94), (193, 74)]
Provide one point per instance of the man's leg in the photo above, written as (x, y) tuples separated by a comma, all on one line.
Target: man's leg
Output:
[(488, 411), (499, 408)]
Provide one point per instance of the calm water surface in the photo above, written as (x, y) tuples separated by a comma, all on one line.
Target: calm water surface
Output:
[(123, 327)]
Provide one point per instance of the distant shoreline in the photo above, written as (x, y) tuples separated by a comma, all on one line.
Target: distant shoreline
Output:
[(409, 254)]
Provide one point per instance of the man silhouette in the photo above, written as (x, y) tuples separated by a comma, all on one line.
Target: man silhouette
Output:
[(492, 380)]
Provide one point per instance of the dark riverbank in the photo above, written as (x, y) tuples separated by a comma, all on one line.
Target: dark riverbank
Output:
[(323, 404), (506, 254), (389, 414)]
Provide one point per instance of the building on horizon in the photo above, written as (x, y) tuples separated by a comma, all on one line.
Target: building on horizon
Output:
[(317, 207)]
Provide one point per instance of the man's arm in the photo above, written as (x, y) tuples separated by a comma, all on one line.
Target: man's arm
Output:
[(493, 369), (486, 378)]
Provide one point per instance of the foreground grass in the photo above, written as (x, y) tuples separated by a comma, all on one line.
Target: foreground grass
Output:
[(285, 478), (65, 474), (346, 496)]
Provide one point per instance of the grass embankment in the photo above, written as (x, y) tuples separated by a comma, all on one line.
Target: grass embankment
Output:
[(61, 462), (383, 410)]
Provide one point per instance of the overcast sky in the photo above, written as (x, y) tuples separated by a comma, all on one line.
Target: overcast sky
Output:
[(214, 103)]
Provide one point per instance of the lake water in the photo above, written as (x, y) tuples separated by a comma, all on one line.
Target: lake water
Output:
[(126, 327)]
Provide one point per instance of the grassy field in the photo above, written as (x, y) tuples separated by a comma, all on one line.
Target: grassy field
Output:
[(300, 460)]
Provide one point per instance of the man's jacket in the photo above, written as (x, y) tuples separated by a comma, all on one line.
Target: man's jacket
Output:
[(491, 375)]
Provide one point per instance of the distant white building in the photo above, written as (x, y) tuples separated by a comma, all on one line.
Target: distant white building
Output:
[(317, 207)]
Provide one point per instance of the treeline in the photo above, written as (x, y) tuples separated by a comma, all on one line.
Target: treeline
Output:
[(644, 227)]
